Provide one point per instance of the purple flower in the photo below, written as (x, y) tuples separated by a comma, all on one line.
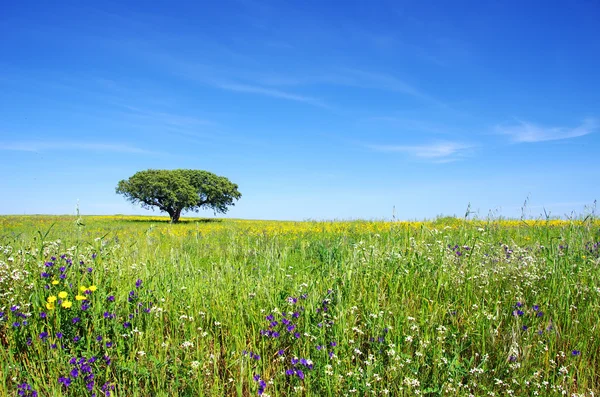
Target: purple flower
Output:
[(512, 359), (43, 315), (45, 275), (270, 317), (43, 335), (296, 315), (540, 314), (291, 327), (536, 308), (16, 324), (319, 347), (519, 304), (524, 328), (59, 335), (85, 306), (62, 269), (53, 346), (576, 353), (99, 338), (332, 344), (74, 373), (75, 320), (73, 361), (89, 269), (290, 372), (138, 283), (297, 335), (66, 381), (300, 373), (110, 298), (14, 308), (127, 324), (281, 352), (48, 264)]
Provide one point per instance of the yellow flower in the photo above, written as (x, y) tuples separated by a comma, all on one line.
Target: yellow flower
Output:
[(80, 298), (63, 294), (67, 304), (50, 305), (54, 282), (51, 299), (82, 289), (92, 288)]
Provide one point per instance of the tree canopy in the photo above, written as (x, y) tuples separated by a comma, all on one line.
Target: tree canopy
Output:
[(174, 191)]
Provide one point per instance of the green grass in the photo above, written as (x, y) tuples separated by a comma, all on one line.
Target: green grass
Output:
[(407, 314)]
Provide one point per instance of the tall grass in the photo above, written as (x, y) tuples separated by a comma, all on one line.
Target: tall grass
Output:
[(311, 308)]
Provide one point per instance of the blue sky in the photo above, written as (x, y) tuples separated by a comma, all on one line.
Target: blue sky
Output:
[(316, 109)]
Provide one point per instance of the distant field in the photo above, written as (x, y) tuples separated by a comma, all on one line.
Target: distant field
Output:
[(135, 306)]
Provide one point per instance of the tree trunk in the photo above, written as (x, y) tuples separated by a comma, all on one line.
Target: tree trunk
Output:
[(175, 214)]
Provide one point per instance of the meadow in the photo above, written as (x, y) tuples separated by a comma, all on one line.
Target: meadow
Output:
[(135, 306)]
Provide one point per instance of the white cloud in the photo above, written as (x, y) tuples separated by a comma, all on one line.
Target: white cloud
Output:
[(529, 132), (270, 92), (434, 151), (32, 146)]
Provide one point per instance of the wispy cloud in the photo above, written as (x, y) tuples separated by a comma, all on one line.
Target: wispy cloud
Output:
[(529, 132), (446, 151), (33, 146), (253, 89)]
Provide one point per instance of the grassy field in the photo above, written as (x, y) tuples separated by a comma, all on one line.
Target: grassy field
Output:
[(135, 306)]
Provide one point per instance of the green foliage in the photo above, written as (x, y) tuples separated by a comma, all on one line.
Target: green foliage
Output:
[(174, 191)]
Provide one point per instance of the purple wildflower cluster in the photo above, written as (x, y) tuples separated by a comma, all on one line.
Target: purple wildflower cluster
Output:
[(82, 371), (457, 249), (26, 390), (262, 385), (297, 366), (252, 355)]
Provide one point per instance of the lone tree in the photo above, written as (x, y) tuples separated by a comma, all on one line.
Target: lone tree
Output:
[(174, 191)]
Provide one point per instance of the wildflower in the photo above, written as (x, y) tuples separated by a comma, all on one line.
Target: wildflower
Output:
[(138, 283), (67, 304), (76, 339), (66, 381), (59, 335), (74, 373), (43, 315), (51, 299), (63, 294), (576, 353), (80, 297), (75, 320), (55, 282), (43, 335), (92, 288)]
